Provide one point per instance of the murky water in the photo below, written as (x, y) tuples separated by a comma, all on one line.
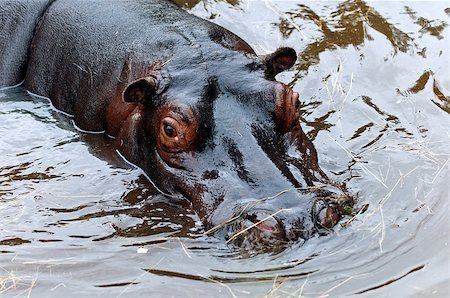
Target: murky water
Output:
[(375, 90)]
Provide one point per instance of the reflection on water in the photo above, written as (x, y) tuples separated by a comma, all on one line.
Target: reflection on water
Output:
[(440, 99), (433, 27), (373, 78), (345, 26)]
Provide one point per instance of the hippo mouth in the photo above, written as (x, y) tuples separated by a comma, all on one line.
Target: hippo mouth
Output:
[(254, 228)]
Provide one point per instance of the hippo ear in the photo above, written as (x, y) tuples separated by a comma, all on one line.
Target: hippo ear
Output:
[(140, 91), (281, 60)]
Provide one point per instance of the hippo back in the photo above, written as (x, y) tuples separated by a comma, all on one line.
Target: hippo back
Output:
[(18, 19), (80, 48)]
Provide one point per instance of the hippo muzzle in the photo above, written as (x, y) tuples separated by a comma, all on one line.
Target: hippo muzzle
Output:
[(273, 222)]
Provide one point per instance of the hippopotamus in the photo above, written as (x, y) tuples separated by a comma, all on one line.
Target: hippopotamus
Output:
[(188, 102)]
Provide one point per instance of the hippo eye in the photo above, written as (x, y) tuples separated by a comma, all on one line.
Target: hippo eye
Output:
[(169, 131), (169, 127), (177, 134)]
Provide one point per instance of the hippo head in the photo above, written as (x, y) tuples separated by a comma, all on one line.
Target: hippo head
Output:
[(223, 133)]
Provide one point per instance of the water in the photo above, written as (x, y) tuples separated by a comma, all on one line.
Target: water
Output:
[(374, 84)]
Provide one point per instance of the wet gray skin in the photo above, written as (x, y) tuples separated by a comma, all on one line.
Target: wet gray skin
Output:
[(193, 106), (19, 19)]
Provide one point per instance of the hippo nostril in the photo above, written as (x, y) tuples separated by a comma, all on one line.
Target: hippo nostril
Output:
[(267, 224), (328, 217)]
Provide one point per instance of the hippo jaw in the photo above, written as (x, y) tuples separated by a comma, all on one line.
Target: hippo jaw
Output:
[(256, 226), (228, 140)]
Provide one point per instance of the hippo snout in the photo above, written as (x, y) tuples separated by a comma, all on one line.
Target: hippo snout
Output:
[(326, 214), (270, 225)]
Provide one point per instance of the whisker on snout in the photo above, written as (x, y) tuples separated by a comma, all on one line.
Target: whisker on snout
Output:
[(311, 188), (254, 225), (228, 220), (237, 214)]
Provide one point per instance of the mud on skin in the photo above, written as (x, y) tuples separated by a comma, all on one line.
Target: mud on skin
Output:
[(193, 106)]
